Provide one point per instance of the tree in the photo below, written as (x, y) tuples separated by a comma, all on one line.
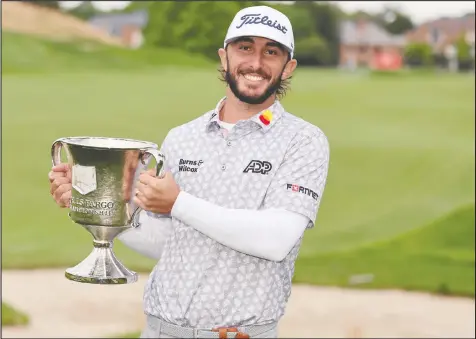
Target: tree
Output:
[(419, 54), (400, 25), (311, 48), (324, 22), (200, 27), (48, 4), (196, 26), (394, 21), (85, 10), (465, 59)]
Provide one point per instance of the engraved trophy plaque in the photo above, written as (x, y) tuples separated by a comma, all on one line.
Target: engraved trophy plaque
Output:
[(104, 173)]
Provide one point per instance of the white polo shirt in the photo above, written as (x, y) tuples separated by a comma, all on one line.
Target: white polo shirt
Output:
[(201, 283)]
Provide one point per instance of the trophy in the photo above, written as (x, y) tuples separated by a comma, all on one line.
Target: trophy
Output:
[(104, 176)]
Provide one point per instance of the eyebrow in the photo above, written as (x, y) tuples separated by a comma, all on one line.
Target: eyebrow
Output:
[(269, 44)]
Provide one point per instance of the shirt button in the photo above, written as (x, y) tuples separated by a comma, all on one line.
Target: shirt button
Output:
[(228, 143), (223, 167)]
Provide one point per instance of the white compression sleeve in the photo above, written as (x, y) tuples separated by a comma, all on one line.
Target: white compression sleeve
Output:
[(149, 238), (269, 234)]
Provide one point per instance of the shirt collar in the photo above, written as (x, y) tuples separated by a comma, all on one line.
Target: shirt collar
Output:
[(264, 119)]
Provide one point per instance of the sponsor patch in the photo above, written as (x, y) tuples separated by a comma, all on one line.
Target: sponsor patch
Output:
[(302, 189), (189, 165), (258, 166)]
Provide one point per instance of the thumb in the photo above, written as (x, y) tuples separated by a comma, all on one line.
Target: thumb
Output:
[(151, 172), (61, 168)]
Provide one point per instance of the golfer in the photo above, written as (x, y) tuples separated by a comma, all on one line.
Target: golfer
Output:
[(244, 181)]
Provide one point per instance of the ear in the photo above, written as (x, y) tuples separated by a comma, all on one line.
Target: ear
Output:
[(289, 69), (222, 55)]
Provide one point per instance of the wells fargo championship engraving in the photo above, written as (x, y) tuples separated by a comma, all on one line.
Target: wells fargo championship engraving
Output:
[(92, 207)]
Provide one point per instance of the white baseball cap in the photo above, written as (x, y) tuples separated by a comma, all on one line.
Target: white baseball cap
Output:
[(262, 21)]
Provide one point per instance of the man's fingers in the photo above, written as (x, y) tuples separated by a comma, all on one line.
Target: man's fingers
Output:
[(53, 175), (140, 187), (68, 174), (146, 179), (66, 198), (57, 182), (152, 172), (61, 168), (139, 202), (145, 191), (60, 191)]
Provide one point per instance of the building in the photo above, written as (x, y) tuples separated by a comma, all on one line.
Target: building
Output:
[(365, 44), (442, 34), (127, 26)]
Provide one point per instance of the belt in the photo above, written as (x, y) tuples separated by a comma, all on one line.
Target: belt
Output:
[(219, 332)]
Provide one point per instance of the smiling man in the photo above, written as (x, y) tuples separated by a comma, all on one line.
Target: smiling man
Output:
[(244, 182)]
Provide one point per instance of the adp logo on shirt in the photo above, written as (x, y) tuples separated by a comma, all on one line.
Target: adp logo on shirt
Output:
[(258, 166)]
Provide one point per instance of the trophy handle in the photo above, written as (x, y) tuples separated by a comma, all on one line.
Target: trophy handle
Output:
[(56, 152), (159, 172)]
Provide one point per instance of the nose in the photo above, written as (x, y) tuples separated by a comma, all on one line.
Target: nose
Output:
[(255, 61)]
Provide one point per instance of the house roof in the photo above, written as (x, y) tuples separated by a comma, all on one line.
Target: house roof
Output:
[(137, 18), (453, 25), (446, 29), (367, 33)]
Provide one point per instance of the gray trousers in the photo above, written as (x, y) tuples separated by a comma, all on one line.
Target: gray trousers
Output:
[(155, 327)]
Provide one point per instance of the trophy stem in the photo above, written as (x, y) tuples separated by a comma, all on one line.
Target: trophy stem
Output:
[(102, 266)]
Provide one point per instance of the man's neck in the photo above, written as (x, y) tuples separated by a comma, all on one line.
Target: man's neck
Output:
[(234, 110)]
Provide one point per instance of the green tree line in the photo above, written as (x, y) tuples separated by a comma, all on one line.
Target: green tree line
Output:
[(200, 26)]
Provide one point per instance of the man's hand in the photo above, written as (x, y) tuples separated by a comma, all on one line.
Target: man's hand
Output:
[(60, 184), (156, 195)]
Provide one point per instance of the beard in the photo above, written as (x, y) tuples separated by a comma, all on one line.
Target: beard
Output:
[(252, 99)]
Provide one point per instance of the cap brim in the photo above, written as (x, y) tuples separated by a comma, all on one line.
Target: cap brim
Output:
[(227, 41)]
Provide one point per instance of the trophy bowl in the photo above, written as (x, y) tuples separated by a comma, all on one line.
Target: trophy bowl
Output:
[(104, 173)]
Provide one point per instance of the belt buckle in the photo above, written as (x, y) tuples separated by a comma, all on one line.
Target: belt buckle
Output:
[(223, 332)]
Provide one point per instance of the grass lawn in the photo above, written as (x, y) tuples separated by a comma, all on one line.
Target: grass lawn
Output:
[(12, 317), (127, 335), (438, 258), (402, 156)]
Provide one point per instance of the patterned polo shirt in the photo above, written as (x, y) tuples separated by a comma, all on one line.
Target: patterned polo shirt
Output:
[(283, 164)]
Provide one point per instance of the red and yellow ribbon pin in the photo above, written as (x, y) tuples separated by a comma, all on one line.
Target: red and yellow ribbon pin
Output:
[(266, 117)]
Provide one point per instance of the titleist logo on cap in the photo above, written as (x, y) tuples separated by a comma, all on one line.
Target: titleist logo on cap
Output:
[(250, 19)]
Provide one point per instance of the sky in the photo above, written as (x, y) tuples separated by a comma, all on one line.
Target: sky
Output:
[(419, 11)]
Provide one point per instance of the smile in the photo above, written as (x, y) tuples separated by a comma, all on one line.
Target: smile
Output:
[(253, 77)]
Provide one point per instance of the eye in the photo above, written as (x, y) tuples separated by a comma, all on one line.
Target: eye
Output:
[(245, 47), (272, 52)]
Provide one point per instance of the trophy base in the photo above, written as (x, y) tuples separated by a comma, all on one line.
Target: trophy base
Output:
[(101, 267)]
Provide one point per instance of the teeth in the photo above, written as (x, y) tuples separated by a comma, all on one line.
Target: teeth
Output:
[(253, 77)]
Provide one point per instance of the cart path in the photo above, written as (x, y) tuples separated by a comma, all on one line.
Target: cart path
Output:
[(58, 307)]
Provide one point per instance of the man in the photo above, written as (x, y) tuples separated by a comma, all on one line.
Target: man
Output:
[(244, 182)]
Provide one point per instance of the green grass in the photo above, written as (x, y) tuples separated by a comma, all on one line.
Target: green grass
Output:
[(438, 258), (402, 156), (12, 317), (127, 335), (26, 54)]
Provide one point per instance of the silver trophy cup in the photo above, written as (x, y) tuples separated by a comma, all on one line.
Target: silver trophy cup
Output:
[(104, 176)]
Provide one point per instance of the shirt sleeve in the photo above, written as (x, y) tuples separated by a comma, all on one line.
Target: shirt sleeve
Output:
[(148, 239), (268, 234), (298, 185)]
